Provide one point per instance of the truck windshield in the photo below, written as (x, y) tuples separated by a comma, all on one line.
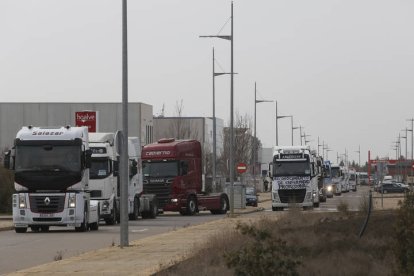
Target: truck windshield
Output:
[(335, 172), (291, 168), (352, 177), (48, 158), (160, 169), (48, 167), (100, 168)]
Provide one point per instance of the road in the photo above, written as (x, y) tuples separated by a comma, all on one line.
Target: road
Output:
[(19, 251)]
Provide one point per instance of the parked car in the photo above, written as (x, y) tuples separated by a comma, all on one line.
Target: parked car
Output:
[(392, 188), (251, 196)]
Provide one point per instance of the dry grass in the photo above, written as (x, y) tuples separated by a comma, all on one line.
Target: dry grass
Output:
[(325, 244)]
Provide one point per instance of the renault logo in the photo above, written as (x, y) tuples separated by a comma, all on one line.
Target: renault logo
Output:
[(47, 200)]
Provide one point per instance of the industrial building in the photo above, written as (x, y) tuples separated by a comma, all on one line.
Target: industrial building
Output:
[(15, 115)]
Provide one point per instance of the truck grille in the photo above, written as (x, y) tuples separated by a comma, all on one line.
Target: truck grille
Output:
[(47, 219), (161, 190), (47, 204), (292, 196)]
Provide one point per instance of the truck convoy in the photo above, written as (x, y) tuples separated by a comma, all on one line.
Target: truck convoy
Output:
[(294, 178), (52, 179), (173, 172), (104, 180)]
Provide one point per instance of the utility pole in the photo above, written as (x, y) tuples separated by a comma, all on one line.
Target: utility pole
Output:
[(231, 161), (124, 240), (256, 101)]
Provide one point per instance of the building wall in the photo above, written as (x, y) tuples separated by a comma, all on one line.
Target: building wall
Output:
[(15, 115)]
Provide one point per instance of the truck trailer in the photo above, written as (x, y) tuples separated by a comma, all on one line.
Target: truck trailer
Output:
[(51, 168), (173, 172)]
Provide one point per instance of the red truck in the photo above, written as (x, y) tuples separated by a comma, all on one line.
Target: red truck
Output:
[(172, 171)]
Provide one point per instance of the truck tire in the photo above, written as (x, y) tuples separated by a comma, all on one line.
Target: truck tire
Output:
[(153, 210), (316, 205), (135, 212), (35, 228), (94, 226), (84, 225), (223, 206), (44, 228), (191, 206), (20, 229), (112, 219)]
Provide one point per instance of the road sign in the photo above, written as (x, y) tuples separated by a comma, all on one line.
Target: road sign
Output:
[(241, 168)]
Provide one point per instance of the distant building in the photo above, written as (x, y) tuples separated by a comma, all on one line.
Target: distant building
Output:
[(15, 115), (198, 128)]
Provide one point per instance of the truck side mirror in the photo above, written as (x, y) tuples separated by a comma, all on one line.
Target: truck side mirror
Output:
[(88, 158), (6, 161), (133, 170), (116, 168)]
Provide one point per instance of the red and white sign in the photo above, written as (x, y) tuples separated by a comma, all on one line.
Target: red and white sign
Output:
[(87, 118), (241, 168)]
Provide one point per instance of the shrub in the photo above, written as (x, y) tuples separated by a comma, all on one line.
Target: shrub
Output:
[(6, 190), (343, 207), (404, 239), (262, 254)]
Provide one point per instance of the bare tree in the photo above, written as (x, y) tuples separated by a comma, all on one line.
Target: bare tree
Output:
[(181, 127), (243, 144)]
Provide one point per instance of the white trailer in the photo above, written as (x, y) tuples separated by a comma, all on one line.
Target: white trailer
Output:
[(295, 182), (51, 168), (104, 180)]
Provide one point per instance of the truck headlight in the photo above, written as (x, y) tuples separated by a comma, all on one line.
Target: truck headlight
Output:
[(329, 188), (72, 201), (22, 201), (174, 200), (105, 205)]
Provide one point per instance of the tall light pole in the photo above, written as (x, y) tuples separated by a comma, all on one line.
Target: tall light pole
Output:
[(412, 132), (359, 155), (256, 101), (124, 240), (300, 134), (319, 146), (277, 131), (231, 161), (291, 125), (214, 122), (304, 137)]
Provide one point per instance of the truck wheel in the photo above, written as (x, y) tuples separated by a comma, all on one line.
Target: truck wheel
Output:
[(153, 210), (35, 228), (20, 229), (44, 228), (135, 213), (316, 205), (94, 226), (223, 206), (84, 225), (112, 219), (191, 206)]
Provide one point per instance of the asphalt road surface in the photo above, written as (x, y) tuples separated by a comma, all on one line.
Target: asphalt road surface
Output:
[(19, 251)]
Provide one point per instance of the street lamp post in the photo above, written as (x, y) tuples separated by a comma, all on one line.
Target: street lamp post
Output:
[(124, 240), (277, 131), (214, 122), (231, 165), (256, 101), (359, 155)]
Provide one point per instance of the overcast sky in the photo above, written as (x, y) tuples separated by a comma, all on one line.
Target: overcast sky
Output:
[(343, 68)]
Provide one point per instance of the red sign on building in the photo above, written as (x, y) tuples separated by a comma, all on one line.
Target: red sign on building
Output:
[(87, 118)]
